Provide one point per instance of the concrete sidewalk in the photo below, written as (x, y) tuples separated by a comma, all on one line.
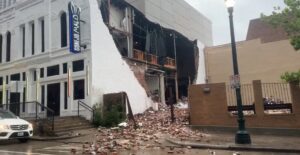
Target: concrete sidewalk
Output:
[(226, 141)]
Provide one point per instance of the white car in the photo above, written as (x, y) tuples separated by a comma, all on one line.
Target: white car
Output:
[(12, 127)]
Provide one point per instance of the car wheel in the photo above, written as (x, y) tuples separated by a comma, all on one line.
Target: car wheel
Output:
[(23, 140)]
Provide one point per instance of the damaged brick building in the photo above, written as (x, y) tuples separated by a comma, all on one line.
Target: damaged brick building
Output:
[(160, 41)]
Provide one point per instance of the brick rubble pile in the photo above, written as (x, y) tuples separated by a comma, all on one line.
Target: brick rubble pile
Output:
[(153, 127)]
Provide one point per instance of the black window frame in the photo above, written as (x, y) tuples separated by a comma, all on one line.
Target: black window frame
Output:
[(8, 46), (65, 68), (63, 30), (54, 68), (78, 65), (42, 72), (1, 46), (42, 24), (23, 40), (32, 38), (15, 77), (79, 90)]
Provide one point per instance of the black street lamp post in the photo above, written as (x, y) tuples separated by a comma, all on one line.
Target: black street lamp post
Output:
[(242, 136)]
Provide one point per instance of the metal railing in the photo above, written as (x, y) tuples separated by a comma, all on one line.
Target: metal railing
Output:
[(277, 96), (87, 107), (32, 109), (246, 93)]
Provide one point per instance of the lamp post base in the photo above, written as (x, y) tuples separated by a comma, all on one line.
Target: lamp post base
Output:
[(242, 137)]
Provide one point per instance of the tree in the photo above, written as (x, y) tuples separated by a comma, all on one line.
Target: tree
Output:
[(287, 18)]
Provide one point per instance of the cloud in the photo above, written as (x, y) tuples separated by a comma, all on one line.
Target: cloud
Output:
[(244, 11)]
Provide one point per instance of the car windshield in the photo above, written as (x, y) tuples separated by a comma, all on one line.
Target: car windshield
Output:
[(6, 115)]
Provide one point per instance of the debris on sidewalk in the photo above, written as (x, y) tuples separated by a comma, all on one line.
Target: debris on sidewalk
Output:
[(153, 126)]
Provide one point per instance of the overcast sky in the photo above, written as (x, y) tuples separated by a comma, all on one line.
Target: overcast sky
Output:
[(244, 10)]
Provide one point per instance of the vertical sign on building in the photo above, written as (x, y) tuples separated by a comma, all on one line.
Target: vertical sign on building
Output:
[(74, 24)]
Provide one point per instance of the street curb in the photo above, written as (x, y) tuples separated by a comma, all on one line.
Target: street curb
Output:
[(36, 138), (232, 147)]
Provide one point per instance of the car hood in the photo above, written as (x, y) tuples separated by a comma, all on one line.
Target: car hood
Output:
[(13, 121)]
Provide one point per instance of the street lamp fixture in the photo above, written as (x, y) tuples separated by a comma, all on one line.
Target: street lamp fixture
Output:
[(242, 136)]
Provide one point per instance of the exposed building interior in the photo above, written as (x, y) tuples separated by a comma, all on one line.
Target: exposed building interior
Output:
[(164, 61)]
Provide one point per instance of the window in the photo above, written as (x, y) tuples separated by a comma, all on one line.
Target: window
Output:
[(7, 79), (42, 72), (42, 24), (34, 75), (53, 70), (8, 46), (1, 44), (1, 81), (43, 98), (78, 65), (32, 38), (78, 89), (65, 68), (24, 99), (24, 76), (23, 40), (66, 95), (63, 29), (15, 77)]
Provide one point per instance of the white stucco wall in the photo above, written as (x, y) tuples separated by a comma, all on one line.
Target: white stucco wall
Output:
[(201, 74), (109, 72)]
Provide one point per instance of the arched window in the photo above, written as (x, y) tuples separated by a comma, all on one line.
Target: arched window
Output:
[(1, 44), (8, 46), (63, 29)]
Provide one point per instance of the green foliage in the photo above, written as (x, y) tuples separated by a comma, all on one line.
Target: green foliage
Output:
[(111, 117), (291, 77), (97, 116), (287, 18)]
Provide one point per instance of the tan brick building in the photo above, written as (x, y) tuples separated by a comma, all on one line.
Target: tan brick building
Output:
[(265, 55)]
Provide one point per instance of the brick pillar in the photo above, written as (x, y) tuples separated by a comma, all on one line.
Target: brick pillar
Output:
[(295, 91), (258, 98)]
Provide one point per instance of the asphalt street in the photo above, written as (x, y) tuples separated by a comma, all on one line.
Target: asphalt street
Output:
[(13, 147)]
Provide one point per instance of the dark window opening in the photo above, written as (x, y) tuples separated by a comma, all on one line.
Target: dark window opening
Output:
[(32, 39), (1, 100), (78, 90), (78, 65), (1, 44), (24, 99), (8, 46), (15, 77), (23, 41), (24, 76), (7, 79), (65, 68), (53, 70), (43, 98), (66, 95), (6, 99), (34, 75), (41, 72), (1, 81), (42, 35), (63, 29)]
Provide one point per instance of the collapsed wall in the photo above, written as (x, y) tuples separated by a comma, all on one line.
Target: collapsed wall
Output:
[(109, 72)]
